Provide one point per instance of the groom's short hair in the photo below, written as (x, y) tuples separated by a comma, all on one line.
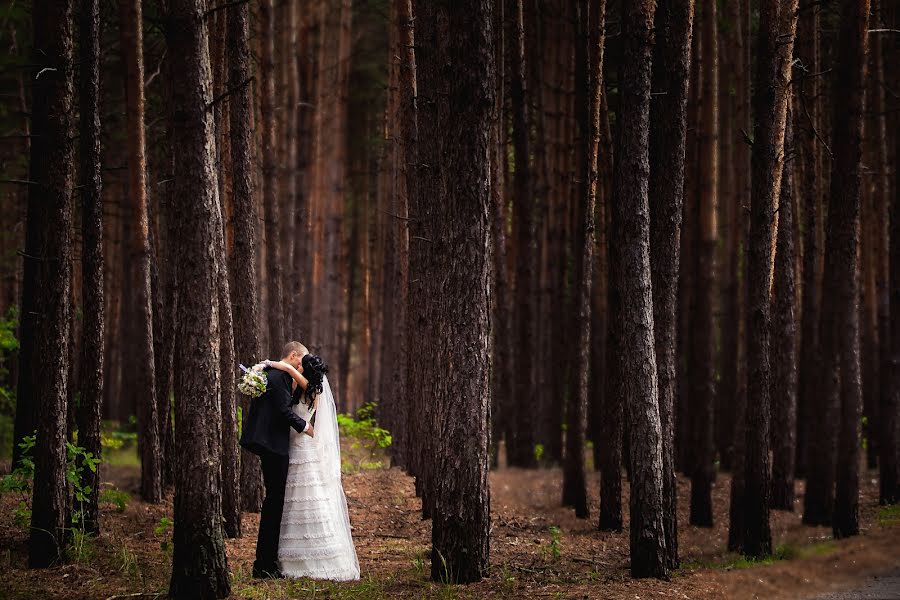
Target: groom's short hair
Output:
[(294, 347)]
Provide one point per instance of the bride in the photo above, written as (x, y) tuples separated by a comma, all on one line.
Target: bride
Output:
[(315, 539)]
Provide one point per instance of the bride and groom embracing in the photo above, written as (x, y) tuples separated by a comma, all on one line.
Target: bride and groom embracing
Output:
[(304, 527)]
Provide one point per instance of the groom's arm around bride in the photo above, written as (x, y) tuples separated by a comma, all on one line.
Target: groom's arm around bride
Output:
[(271, 416)]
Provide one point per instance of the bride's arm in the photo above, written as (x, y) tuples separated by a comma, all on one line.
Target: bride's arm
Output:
[(290, 370)]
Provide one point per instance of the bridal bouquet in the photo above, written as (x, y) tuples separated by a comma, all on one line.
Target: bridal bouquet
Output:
[(253, 382)]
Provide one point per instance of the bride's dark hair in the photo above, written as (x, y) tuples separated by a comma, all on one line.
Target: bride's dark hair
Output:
[(314, 369)]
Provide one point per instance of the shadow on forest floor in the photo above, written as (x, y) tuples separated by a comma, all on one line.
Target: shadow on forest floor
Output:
[(538, 549)]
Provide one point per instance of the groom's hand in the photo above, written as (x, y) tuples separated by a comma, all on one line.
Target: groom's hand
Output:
[(310, 431)]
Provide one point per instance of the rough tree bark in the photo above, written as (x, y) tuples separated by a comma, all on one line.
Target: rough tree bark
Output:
[(889, 438), (199, 565), (520, 444), (806, 125), (501, 324), (243, 264), (91, 384), (778, 20), (270, 202), (701, 351), (231, 469), (456, 81), (668, 129), (841, 258), (784, 349), (143, 378), (631, 252), (408, 132), (49, 248), (590, 23)]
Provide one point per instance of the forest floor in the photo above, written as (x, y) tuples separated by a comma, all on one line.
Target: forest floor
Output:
[(538, 549)]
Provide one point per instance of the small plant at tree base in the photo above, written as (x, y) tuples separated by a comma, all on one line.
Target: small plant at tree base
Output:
[(555, 547), (163, 529), (20, 481), (538, 452), (128, 562), (117, 497), (81, 546)]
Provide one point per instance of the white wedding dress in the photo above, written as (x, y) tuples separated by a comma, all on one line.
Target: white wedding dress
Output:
[(315, 538)]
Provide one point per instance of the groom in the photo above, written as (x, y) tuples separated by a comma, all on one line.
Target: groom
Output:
[(267, 430)]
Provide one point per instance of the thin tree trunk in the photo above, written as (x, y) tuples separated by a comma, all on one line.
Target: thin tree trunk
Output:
[(842, 270), (701, 355), (806, 124), (778, 20), (49, 237), (231, 470), (243, 264), (668, 131), (631, 253), (199, 566), (784, 350), (274, 267), (520, 449), (501, 323), (91, 384), (589, 44), (409, 162), (888, 301), (143, 378)]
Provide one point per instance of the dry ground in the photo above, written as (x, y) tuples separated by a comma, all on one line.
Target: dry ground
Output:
[(527, 558)]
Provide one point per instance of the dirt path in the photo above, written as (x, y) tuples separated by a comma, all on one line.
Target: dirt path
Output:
[(884, 587)]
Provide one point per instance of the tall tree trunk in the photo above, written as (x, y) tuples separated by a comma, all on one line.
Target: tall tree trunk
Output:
[(273, 267), (612, 430), (589, 44), (243, 264), (740, 15), (520, 446), (889, 301), (806, 129), (143, 378), (408, 132), (631, 253), (49, 248), (601, 317), (668, 130), (778, 20), (842, 270), (199, 565), (501, 323), (455, 123), (91, 384), (231, 469), (701, 355), (784, 350)]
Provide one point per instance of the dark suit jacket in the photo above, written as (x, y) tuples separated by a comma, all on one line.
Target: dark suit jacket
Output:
[(267, 425)]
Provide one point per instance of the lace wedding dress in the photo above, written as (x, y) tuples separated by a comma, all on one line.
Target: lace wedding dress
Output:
[(315, 538)]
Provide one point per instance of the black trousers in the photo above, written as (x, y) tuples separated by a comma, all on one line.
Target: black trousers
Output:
[(275, 470)]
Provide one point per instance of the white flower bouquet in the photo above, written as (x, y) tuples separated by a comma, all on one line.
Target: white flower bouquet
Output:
[(253, 382)]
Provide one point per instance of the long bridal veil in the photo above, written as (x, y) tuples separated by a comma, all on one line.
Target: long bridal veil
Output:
[(329, 447)]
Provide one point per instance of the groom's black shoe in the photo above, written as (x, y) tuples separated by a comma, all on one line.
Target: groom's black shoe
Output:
[(267, 574)]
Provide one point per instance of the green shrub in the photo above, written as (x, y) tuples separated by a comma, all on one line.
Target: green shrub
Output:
[(117, 497), (163, 529), (20, 481), (364, 428)]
